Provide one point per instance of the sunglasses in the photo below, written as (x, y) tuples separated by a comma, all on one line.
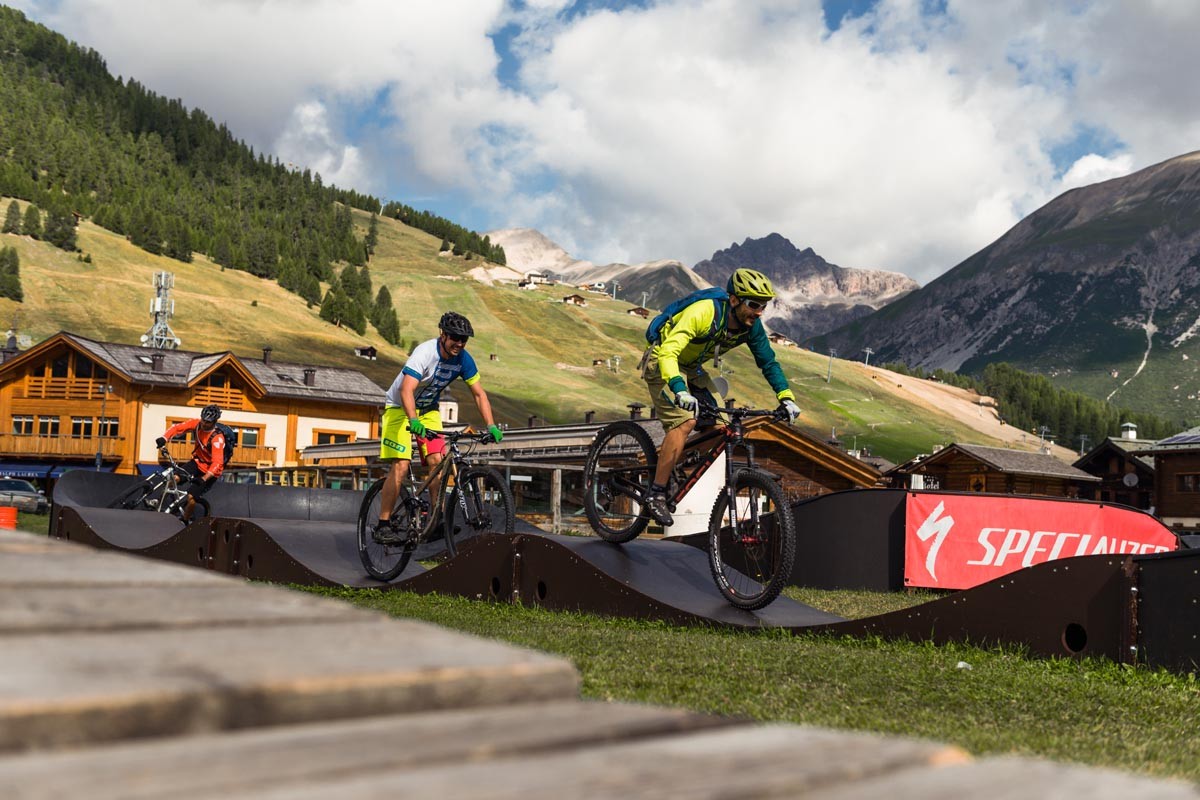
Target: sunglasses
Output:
[(458, 339), (756, 305)]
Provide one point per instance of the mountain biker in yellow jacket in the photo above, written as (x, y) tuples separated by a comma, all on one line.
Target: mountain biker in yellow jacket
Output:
[(674, 367)]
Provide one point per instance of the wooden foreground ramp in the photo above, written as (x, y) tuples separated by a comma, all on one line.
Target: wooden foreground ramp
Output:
[(124, 677)]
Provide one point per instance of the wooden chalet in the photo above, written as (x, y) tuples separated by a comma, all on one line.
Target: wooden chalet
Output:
[(575, 300), (639, 311), (72, 402), (1177, 479), (996, 470), (1125, 477)]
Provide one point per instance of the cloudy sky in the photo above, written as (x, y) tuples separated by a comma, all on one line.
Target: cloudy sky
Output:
[(889, 134)]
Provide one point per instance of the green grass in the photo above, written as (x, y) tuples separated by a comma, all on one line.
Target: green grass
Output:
[(1088, 712), (33, 523)]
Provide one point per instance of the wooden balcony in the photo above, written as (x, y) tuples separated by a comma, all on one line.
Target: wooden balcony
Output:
[(12, 444), (242, 456), (60, 388)]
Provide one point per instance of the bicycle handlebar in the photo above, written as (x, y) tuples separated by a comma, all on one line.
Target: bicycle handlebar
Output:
[(454, 436), (777, 414)]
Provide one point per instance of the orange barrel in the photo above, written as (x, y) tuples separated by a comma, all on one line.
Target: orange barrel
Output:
[(8, 517)]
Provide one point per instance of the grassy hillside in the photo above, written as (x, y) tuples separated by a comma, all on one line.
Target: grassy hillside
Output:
[(543, 349)]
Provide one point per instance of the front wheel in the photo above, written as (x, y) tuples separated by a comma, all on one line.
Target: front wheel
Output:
[(385, 553), (751, 543), (481, 503), (617, 474)]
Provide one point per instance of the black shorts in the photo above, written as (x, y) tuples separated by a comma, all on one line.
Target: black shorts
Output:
[(198, 485)]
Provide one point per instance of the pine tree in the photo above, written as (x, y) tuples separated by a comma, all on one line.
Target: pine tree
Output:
[(32, 224), (12, 220), (372, 234), (388, 326), (60, 229), (10, 274), (383, 304)]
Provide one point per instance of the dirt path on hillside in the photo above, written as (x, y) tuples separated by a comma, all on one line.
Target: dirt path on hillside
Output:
[(965, 406)]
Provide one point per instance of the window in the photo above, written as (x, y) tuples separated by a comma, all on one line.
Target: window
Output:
[(59, 366), (247, 437), (47, 426), (332, 437), (217, 380), (1187, 482), (81, 427), (110, 427), (23, 426)]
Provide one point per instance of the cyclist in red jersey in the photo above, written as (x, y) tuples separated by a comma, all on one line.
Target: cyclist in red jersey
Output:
[(208, 454)]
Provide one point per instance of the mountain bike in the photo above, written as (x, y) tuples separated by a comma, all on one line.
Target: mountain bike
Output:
[(751, 530), (163, 491), (475, 497)]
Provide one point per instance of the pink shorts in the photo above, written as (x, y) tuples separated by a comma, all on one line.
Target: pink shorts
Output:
[(430, 445)]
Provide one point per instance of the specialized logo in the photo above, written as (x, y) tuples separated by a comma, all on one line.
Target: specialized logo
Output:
[(985, 537), (937, 528)]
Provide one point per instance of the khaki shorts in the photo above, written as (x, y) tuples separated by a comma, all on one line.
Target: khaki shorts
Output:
[(699, 383)]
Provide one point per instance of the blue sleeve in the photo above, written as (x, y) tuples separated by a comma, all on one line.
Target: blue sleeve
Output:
[(470, 373), (412, 372)]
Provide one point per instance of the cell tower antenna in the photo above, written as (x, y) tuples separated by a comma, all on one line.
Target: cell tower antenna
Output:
[(162, 308)]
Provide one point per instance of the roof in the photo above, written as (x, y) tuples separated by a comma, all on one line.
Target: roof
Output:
[(1016, 462), (1188, 440), (182, 368), (1131, 447)]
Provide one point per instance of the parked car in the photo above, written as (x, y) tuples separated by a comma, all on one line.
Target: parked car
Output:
[(23, 495)]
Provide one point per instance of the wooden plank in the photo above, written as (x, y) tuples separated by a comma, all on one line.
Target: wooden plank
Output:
[(90, 687), (760, 761), (1010, 778), (32, 561), (115, 608), (262, 758), (746, 761)]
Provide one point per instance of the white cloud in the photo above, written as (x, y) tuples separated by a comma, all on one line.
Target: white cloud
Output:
[(901, 141), (309, 142), (1093, 169)]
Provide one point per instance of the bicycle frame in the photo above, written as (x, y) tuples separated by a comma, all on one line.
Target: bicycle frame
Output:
[(449, 467)]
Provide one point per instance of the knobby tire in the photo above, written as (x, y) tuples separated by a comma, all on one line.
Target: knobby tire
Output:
[(750, 562), (490, 507), (382, 561), (620, 459)]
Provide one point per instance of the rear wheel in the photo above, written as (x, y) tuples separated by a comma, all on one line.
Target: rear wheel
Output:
[(135, 498), (385, 554), (619, 470), (489, 507), (751, 545), (201, 510)]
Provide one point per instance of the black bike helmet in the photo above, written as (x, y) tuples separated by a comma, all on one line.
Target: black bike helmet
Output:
[(455, 324), (210, 413)]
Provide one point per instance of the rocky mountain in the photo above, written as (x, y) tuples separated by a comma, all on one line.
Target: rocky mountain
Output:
[(652, 283), (1098, 289), (814, 296)]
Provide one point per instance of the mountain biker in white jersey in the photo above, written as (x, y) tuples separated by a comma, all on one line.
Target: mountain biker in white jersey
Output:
[(674, 367), (411, 406)]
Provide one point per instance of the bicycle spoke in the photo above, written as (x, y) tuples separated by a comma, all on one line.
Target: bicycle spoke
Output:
[(751, 541), (619, 468)]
